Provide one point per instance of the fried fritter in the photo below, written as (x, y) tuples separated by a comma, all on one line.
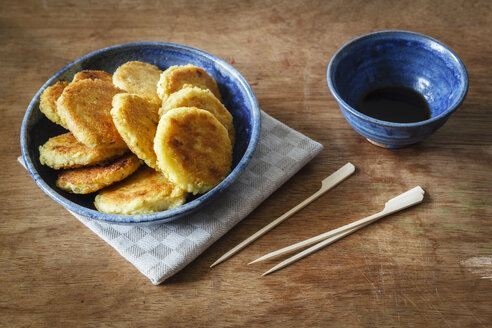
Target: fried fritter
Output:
[(66, 152), (178, 77), (84, 107), (90, 179), (139, 78), (146, 191), (193, 149), (93, 75), (136, 120), (202, 99), (47, 102)]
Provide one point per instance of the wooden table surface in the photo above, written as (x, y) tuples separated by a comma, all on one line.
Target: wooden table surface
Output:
[(427, 266)]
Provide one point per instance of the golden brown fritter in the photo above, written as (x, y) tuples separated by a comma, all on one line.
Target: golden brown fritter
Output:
[(84, 107), (139, 78), (188, 137), (66, 152), (47, 102), (177, 77), (146, 191), (202, 99), (136, 120), (90, 179), (93, 75), (193, 149)]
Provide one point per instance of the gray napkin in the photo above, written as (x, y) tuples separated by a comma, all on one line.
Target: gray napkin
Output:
[(159, 251)]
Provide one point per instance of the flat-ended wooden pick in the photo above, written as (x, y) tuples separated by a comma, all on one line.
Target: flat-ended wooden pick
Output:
[(327, 184), (408, 198), (412, 197)]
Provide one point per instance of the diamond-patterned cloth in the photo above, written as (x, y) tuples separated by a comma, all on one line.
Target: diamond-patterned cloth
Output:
[(159, 251)]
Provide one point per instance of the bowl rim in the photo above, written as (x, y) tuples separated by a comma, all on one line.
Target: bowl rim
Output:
[(163, 216), (396, 33)]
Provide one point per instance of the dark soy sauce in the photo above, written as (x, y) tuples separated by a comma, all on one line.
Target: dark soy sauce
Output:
[(394, 104)]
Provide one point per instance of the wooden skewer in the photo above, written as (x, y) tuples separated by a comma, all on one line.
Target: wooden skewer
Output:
[(405, 200), (391, 206), (327, 184)]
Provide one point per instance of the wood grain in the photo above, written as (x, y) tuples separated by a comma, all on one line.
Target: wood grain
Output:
[(425, 266)]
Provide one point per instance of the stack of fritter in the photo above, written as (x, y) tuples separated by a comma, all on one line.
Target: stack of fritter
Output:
[(142, 137)]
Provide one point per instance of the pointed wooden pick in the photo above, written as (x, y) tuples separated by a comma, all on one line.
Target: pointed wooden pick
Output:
[(327, 184)]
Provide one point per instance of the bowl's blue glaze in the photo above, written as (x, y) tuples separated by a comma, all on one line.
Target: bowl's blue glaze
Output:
[(237, 97), (397, 58)]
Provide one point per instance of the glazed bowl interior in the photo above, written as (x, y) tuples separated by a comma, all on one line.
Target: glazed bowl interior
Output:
[(237, 96), (399, 58)]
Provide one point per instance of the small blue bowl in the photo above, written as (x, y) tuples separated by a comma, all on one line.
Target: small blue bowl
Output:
[(237, 96), (397, 58)]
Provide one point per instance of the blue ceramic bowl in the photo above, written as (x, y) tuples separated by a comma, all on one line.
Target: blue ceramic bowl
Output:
[(397, 58), (237, 97)]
